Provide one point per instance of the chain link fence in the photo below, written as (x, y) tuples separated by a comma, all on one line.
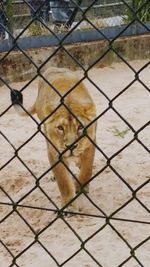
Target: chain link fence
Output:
[(112, 228)]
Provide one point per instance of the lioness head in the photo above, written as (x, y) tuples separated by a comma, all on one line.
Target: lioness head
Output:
[(71, 110), (70, 134)]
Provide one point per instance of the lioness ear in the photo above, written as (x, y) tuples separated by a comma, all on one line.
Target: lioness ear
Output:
[(51, 105), (90, 112), (47, 110)]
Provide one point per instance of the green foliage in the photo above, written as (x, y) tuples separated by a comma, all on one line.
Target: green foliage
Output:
[(142, 7), (9, 13)]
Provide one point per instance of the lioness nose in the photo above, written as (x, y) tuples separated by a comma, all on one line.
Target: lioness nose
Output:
[(71, 147)]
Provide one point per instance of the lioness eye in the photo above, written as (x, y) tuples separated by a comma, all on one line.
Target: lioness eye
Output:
[(80, 127), (60, 128)]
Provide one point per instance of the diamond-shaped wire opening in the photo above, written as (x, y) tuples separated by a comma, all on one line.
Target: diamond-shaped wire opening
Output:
[(20, 58), (69, 247), (105, 247), (36, 254), (37, 216), (138, 172), (106, 185), (133, 211), (36, 159), (23, 234), (130, 231), (137, 111), (17, 180), (10, 134)]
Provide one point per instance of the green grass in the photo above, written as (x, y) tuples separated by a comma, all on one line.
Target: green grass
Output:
[(119, 133), (142, 7)]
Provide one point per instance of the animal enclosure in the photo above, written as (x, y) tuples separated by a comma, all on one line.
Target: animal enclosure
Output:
[(119, 188), (112, 227)]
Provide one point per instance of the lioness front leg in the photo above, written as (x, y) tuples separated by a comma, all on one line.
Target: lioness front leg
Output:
[(65, 183), (87, 159)]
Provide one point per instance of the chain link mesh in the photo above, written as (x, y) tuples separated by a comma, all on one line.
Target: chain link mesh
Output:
[(21, 210)]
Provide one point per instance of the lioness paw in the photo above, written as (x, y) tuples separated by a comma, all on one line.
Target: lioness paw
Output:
[(53, 179)]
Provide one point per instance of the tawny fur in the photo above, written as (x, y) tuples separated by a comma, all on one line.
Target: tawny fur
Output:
[(62, 129)]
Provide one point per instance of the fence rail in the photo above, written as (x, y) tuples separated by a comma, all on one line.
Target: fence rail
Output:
[(22, 15), (33, 227), (35, 36)]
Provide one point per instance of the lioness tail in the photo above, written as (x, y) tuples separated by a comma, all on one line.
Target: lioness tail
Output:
[(17, 101)]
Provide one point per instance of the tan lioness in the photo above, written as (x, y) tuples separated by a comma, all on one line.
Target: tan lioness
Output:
[(66, 108)]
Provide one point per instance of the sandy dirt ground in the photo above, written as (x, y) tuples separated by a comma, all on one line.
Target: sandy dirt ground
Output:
[(107, 191)]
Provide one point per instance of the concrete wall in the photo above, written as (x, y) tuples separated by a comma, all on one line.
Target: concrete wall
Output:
[(17, 67)]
